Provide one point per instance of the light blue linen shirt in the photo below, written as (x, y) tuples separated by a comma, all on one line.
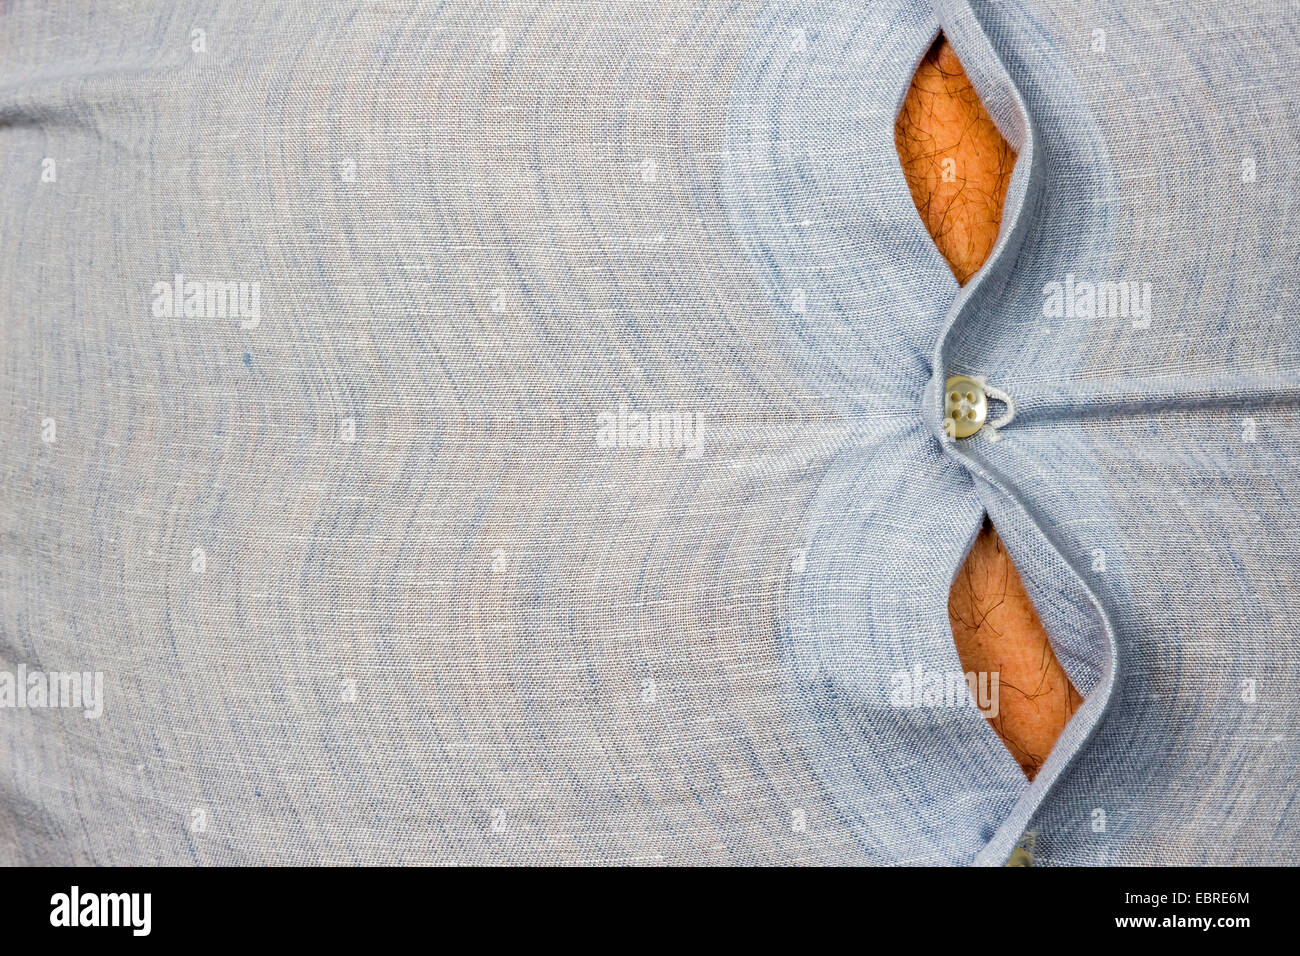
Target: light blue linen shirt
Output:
[(512, 432)]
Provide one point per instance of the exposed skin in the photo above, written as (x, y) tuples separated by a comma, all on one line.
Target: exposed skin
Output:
[(994, 625)]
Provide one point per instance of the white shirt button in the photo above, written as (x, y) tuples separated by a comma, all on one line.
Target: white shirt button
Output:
[(965, 407)]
